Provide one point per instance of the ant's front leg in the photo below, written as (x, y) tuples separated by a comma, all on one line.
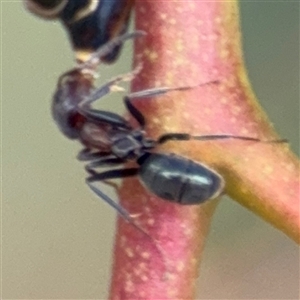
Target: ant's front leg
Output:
[(100, 116), (107, 48), (110, 86), (122, 173)]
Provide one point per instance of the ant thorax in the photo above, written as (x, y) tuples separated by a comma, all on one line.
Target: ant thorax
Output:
[(129, 145)]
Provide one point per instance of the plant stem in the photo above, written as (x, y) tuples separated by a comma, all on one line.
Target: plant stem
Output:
[(189, 43)]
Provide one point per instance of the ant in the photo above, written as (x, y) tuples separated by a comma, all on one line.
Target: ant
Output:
[(89, 24), (111, 141)]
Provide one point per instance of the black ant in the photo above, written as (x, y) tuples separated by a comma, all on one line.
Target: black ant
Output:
[(111, 141), (89, 24)]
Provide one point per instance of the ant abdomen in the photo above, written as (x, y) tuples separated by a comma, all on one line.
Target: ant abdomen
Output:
[(179, 179)]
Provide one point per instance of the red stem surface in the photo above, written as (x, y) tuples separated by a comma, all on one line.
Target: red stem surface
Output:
[(189, 43)]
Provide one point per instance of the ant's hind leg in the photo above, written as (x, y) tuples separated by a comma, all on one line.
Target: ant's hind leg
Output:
[(105, 176), (121, 173), (186, 137)]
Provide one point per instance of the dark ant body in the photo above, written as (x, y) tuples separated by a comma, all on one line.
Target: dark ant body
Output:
[(89, 23), (110, 140)]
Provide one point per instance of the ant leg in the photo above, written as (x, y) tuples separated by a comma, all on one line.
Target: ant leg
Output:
[(102, 163), (97, 160), (108, 48), (110, 86), (185, 137), (157, 92), (112, 174), (99, 116), (237, 137), (105, 162), (121, 173), (86, 154), (105, 117), (136, 114), (163, 90), (152, 93), (112, 184)]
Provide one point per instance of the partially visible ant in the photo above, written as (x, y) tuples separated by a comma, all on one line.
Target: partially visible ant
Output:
[(111, 141), (89, 23)]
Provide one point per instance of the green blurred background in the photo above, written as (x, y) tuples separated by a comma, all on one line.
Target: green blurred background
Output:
[(57, 237)]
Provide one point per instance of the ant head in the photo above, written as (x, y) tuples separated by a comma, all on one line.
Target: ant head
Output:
[(72, 87)]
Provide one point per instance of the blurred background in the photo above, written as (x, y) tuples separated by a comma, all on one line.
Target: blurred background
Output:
[(57, 237)]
